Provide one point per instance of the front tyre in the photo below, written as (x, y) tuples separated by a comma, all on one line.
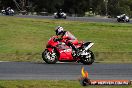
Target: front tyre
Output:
[(89, 58), (55, 17), (118, 20), (49, 57), (64, 17)]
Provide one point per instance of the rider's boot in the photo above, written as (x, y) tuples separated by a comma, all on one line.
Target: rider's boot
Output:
[(75, 50)]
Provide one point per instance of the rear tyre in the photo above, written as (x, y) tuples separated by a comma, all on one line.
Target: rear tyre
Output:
[(48, 57), (89, 59), (128, 21)]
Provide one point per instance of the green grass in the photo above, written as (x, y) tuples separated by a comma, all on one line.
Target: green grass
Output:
[(24, 39), (50, 84)]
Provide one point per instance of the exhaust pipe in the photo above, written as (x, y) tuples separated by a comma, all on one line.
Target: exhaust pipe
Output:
[(89, 46)]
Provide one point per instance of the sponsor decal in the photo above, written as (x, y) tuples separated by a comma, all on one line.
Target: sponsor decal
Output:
[(67, 50), (85, 80), (110, 82)]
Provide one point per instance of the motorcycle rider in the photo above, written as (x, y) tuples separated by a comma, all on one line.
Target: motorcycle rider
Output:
[(67, 38), (7, 10), (59, 13), (123, 16)]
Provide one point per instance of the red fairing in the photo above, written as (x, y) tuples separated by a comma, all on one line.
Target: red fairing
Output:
[(66, 54), (51, 41), (64, 51), (51, 44), (50, 49)]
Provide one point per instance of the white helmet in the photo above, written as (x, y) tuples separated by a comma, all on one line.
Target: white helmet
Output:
[(59, 30)]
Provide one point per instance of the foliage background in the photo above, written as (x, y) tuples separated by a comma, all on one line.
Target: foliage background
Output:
[(111, 8)]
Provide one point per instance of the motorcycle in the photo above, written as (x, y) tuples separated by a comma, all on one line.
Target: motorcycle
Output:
[(123, 19), (10, 12), (60, 15), (59, 51)]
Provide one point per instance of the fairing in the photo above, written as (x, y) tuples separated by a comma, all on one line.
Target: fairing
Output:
[(65, 52)]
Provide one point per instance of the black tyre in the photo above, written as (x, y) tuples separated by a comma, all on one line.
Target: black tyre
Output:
[(118, 20), (65, 17), (89, 59), (48, 57), (128, 21)]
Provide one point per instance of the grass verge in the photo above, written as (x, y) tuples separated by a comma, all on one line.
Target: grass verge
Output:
[(24, 39), (50, 84)]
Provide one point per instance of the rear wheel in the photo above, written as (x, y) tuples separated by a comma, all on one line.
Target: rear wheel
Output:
[(48, 57), (128, 21), (89, 58)]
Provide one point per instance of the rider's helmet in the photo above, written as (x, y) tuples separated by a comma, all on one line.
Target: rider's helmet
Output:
[(60, 10), (124, 14), (59, 30)]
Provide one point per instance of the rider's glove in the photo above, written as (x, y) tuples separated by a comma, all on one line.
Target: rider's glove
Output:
[(57, 39)]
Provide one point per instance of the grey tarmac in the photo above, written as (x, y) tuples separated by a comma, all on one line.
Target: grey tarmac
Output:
[(85, 19), (62, 71)]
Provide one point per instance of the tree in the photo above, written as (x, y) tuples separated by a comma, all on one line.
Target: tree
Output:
[(6, 3), (77, 7)]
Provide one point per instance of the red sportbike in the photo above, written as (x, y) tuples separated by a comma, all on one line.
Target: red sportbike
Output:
[(59, 51)]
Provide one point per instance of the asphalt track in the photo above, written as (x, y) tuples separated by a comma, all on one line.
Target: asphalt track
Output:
[(62, 71), (86, 19)]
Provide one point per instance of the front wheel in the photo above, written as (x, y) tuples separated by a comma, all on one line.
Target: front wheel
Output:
[(55, 17), (64, 17), (118, 20), (89, 58), (49, 57)]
